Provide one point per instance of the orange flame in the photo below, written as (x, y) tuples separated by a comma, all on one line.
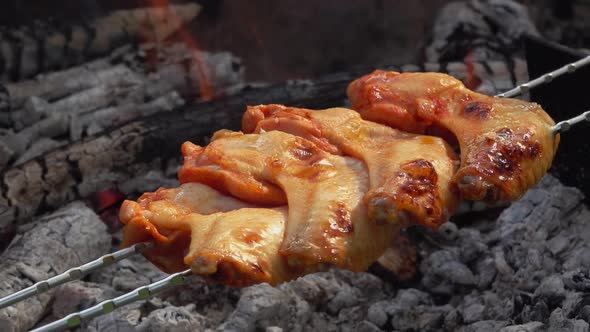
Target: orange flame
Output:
[(205, 86)]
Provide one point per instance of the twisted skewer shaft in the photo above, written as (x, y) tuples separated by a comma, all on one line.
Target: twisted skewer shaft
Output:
[(75, 319), (546, 78), (562, 126), (72, 274)]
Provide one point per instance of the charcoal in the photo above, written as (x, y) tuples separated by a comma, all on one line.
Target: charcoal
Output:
[(538, 312), (366, 326), (172, 318), (263, 305), (443, 270), (471, 245), (6, 154), (149, 181), (452, 320), (79, 295), (68, 237), (485, 270), (479, 29), (449, 231), (418, 318), (528, 327), (584, 313), (551, 290), (273, 329), (351, 316), (559, 322), (346, 297), (33, 110), (377, 313), (484, 306), (484, 325), (128, 274), (578, 279), (123, 320), (38, 148), (573, 303)]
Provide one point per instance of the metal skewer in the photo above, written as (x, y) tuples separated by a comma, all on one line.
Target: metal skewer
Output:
[(75, 319), (546, 78), (562, 126), (73, 274)]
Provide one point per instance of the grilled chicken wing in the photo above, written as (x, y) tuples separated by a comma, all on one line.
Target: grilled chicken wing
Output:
[(217, 236), (327, 220), (506, 144), (409, 174)]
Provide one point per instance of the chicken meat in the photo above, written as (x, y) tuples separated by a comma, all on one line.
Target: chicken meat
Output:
[(327, 222), (506, 145), (217, 236), (409, 174)]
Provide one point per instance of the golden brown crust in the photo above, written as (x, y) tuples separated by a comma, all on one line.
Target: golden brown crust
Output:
[(389, 155), (506, 144), (324, 192), (217, 236)]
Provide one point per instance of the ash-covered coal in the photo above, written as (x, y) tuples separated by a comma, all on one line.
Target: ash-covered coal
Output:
[(525, 268)]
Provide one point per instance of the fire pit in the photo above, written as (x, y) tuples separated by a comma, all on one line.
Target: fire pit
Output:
[(79, 137)]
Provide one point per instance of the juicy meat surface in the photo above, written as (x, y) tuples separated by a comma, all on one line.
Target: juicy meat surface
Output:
[(409, 174), (327, 222), (506, 144), (217, 236)]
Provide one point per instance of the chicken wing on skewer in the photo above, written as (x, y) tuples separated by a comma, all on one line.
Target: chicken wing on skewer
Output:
[(409, 174), (506, 145), (327, 220), (217, 236)]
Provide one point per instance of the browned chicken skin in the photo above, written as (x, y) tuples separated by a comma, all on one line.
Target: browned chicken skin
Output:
[(506, 145), (217, 236), (409, 174), (327, 221)]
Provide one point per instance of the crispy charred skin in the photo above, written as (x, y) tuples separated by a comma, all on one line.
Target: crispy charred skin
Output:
[(506, 144), (327, 221), (217, 236), (409, 174)]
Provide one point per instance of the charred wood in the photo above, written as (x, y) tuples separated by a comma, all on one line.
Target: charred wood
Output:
[(38, 148), (29, 50), (69, 237), (94, 122), (88, 99), (64, 83)]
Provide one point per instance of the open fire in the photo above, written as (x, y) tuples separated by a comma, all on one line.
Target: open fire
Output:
[(81, 136)]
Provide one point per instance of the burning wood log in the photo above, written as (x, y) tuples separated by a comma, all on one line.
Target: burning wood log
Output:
[(64, 83), (93, 123), (91, 98), (69, 237), (26, 51)]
